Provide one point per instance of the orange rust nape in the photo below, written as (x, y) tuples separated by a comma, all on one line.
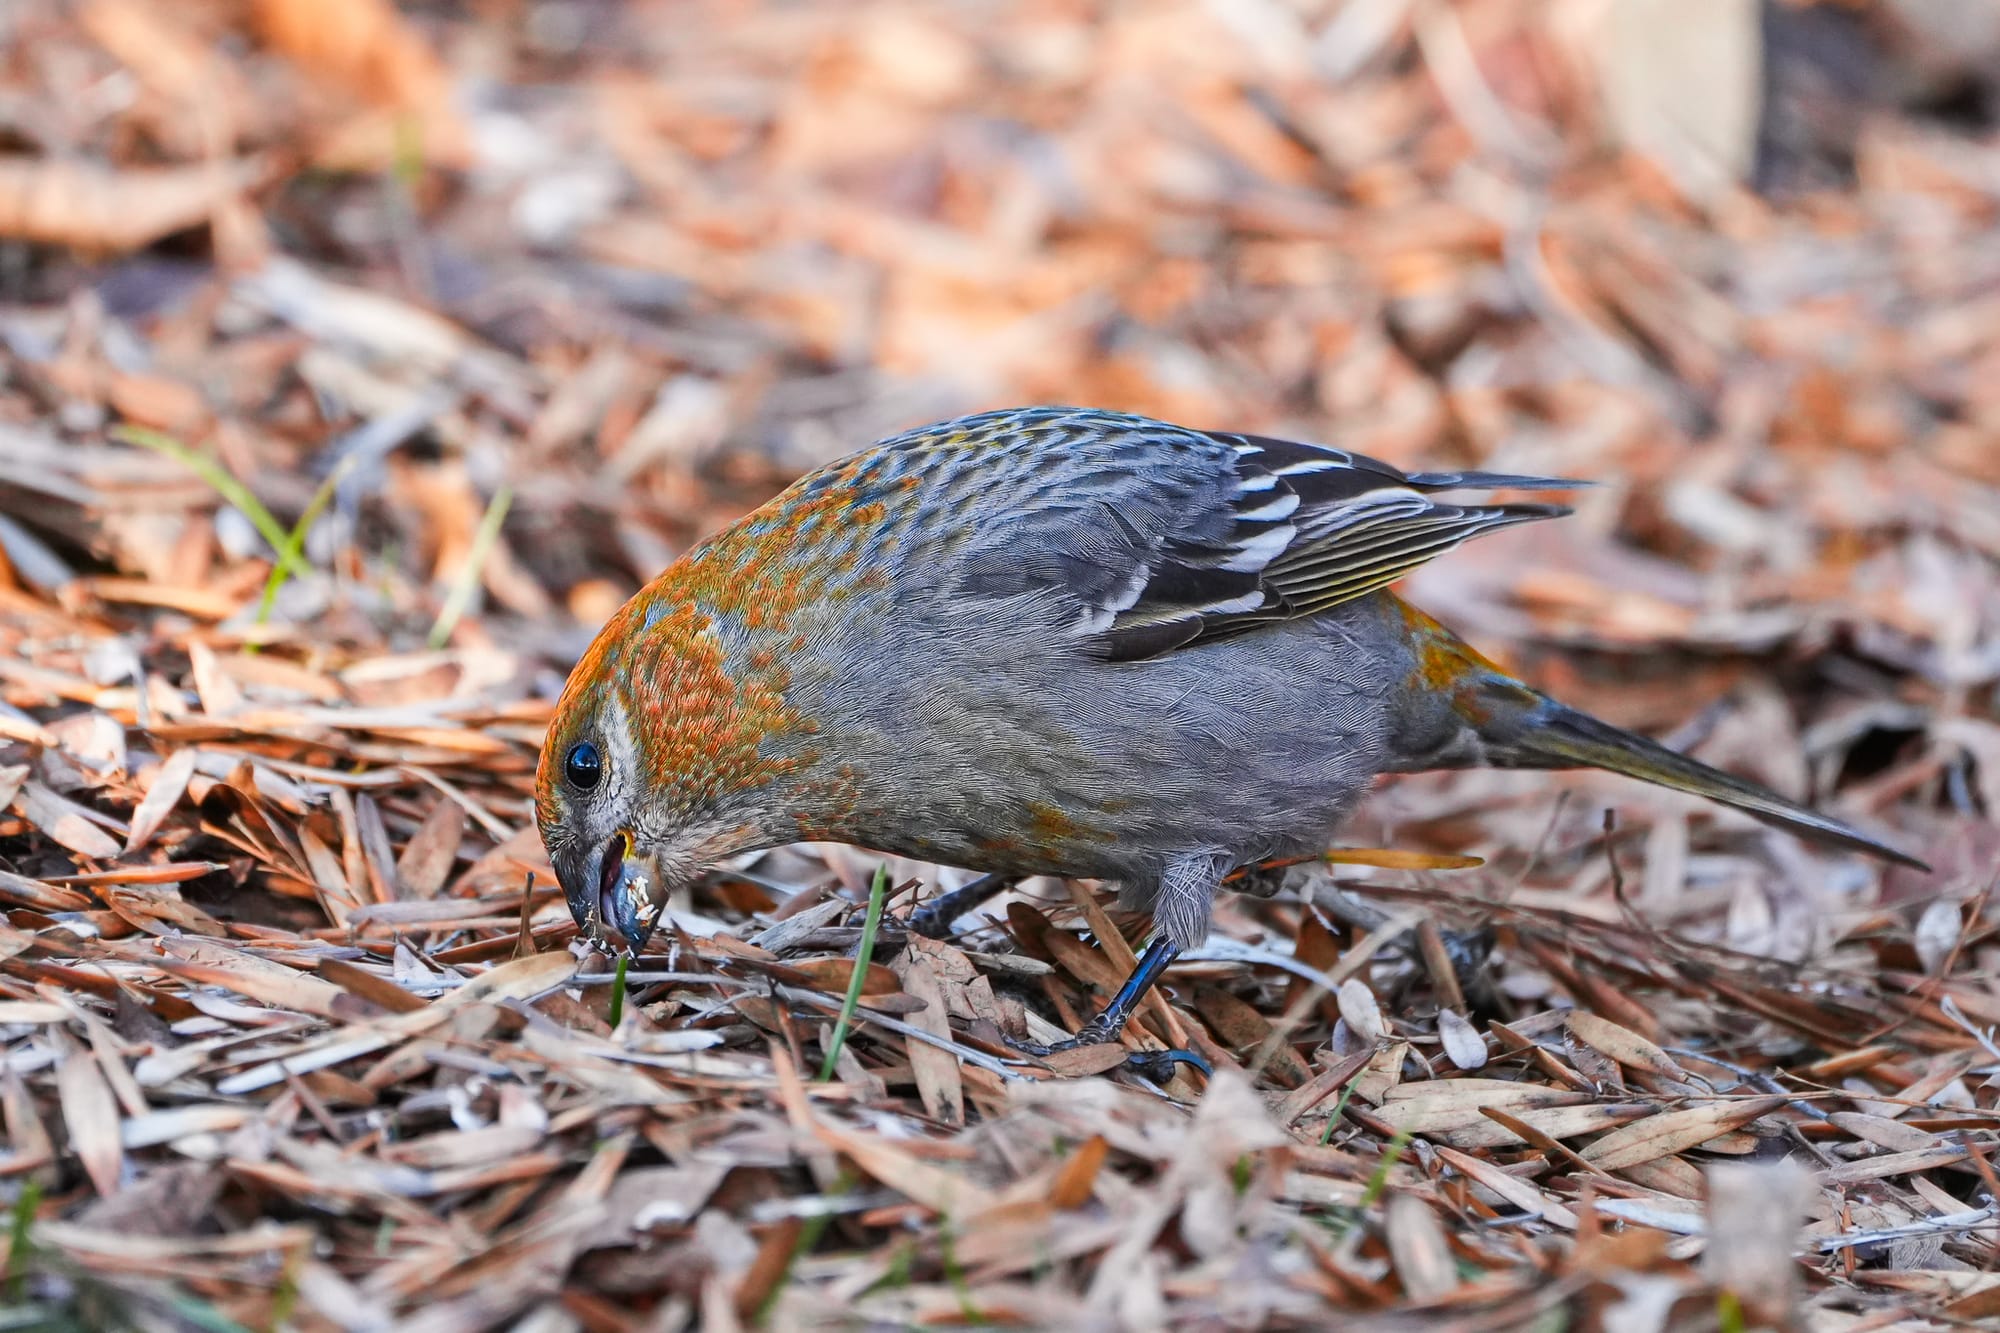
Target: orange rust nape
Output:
[(797, 549), (702, 722), (704, 717)]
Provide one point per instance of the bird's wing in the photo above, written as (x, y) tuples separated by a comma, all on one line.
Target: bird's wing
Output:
[(1310, 527), (1167, 535)]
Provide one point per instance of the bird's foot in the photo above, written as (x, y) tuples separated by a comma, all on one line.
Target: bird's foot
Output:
[(1094, 1033), (930, 924), (1158, 1066), (934, 919)]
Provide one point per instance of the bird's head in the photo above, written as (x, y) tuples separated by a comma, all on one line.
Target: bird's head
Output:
[(672, 747), (591, 799)]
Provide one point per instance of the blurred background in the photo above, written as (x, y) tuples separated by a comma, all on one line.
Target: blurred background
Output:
[(606, 274), (358, 359)]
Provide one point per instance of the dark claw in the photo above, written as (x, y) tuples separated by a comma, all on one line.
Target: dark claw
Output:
[(929, 924), (1039, 1049), (933, 920), (1160, 952), (1158, 1066)]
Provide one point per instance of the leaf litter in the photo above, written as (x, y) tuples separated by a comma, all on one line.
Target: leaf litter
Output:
[(356, 362)]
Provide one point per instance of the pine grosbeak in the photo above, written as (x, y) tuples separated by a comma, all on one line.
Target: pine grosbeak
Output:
[(1053, 641)]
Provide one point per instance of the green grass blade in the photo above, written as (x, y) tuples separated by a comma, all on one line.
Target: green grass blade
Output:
[(878, 893), (291, 554), (223, 483), (618, 992), (475, 562), (1379, 1181), (14, 1264), (1339, 1108), (806, 1242)]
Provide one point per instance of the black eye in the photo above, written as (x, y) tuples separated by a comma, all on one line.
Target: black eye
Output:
[(583, 766)]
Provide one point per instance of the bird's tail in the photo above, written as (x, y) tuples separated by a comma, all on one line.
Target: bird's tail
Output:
[(1554, 735)]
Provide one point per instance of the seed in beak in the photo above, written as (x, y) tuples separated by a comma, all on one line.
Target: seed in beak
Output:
[(608, 872)]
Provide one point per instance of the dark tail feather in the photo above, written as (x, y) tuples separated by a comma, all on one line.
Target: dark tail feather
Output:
[(1492, 481), (1561, 737)]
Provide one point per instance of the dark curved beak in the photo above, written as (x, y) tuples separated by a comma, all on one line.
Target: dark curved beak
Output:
[(615, 894)]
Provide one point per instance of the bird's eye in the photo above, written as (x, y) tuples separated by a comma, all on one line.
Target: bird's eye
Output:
[(583, 766)]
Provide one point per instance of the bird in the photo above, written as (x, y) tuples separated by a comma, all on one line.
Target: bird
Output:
[(1056, 641)]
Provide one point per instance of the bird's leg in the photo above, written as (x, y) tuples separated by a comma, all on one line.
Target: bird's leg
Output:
[(1160, 954), (1157, 1065), (933, 920)]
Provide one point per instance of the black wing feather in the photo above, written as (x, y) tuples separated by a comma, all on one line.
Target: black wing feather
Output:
[(1314, 526)]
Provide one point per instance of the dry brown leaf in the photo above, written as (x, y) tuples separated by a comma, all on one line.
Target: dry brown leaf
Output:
[(1937, 933), (1683, 83), (1428, 1108), (90, 1115), (160, 910), (65, 822), (1463, 1045), (1321, 1086), (219, 695), (1883, 1132), (1552, 1122), (1383, 1073), (329, 876), (834, 975), (365, 47), (169, 784), (1418, 1248), (369, 51), (1672, 1176), (159, 51), (1083, 1061), (1673, 1132), (29, 1147), (1623, 1045), (944, 1192), (494, 1143), (1897, 1164), (936, 1071), (247, 974), (95, 207), (1754, 1214), (1362, 1014), (203, 603), (426, 863), (25, 892), (1521, 1193), (1072, 1185)]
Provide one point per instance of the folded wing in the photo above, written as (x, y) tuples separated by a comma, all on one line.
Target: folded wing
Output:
[(1303, 527)]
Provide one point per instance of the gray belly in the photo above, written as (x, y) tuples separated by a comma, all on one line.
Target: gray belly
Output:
[(1013, 754)]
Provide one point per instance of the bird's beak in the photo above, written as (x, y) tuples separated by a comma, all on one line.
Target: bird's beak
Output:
[(628, 899)]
